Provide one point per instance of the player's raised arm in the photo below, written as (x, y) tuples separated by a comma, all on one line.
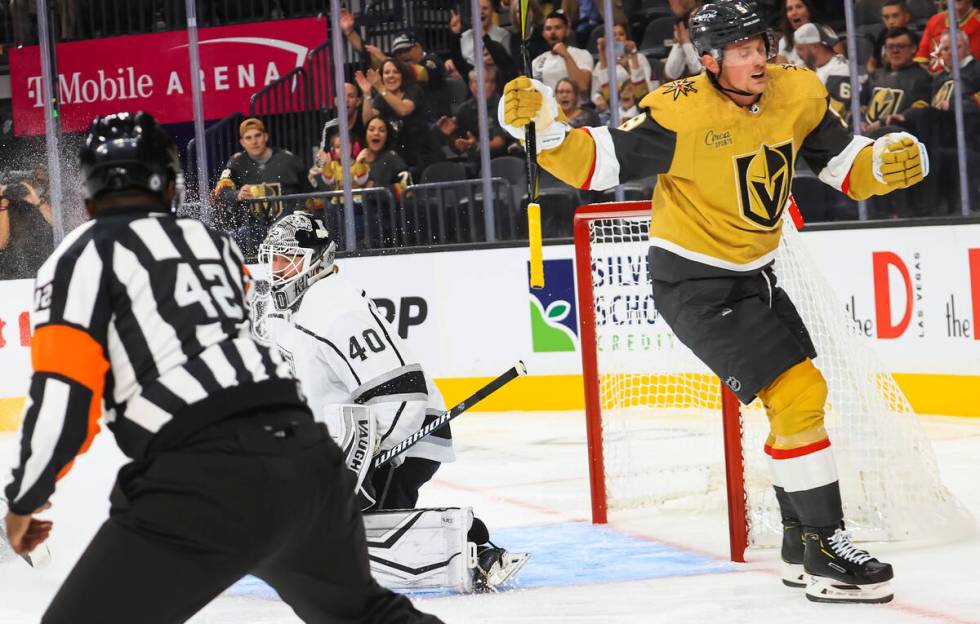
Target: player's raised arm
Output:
[(587, 158), (859, 166)]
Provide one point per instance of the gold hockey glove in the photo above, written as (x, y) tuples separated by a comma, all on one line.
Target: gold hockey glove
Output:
[(900, 160), (526, 100)]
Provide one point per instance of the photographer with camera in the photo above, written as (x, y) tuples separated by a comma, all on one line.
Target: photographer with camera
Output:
[(26, 237)]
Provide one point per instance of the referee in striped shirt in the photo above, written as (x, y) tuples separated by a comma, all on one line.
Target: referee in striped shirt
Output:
[(140, 323)]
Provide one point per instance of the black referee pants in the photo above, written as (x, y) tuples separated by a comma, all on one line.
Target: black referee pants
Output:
[(268, 495)]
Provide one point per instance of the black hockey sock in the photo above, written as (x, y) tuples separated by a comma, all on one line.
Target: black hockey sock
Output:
[(818, 507), (786, 509)]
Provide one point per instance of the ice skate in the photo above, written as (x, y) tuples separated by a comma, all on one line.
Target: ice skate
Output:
[(496, 566), (839, 571), (792, 555)]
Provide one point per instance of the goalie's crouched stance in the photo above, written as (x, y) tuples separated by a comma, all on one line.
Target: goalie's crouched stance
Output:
[(370, 390), (724, 146)]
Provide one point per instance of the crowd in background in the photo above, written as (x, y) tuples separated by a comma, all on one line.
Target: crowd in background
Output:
[(411, 109)]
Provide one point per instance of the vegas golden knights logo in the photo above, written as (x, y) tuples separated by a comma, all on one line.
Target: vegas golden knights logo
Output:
[(885, 101), (764, 178), (943, 94), (270, 209)]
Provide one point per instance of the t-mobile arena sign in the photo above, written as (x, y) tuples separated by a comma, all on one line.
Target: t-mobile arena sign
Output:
[(152, 72)]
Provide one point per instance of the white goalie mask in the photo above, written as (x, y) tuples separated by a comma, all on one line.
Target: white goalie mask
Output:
[(297, 251)]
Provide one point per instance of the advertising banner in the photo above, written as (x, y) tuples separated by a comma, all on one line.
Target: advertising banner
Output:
[(152, 72), (912, 292)]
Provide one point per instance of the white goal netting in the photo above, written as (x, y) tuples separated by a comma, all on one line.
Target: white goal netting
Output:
[(661, 414)]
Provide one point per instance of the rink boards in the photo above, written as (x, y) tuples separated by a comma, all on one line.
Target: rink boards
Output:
[(914, 292)]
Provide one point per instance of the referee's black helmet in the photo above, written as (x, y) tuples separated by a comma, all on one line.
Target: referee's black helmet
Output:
[(126, 152)]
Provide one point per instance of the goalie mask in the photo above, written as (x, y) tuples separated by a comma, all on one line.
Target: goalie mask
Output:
[(298, 251)]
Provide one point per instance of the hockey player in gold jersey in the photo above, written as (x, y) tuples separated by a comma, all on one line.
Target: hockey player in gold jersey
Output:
[(725, 144)]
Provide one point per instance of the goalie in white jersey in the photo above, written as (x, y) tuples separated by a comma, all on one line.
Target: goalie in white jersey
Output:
[(368, 387)]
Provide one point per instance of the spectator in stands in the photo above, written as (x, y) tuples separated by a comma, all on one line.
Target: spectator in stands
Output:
[(495, 54), (26, 237), (500, 35), (585, 15), (968, 19), (628, 108), (377, 165), (894, 14), (385, 166), (257, 171), (536, 41), (327, 173), (815, 47), (943, 86), (428, 71), (631, 67), (893, 91), (461, 131), (683, 60), (562, 61), (426, 67), (355, 121), (372, 54), (400, 101), (795, 14), (569, 99)]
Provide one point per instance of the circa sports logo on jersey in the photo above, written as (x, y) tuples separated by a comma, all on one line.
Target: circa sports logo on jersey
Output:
[(763, 178), (554, 319), (718, 138)]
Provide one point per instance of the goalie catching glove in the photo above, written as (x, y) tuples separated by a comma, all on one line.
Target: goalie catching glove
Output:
[(900, 160), (526, 100)]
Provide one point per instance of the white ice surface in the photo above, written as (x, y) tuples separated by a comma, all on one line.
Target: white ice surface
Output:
[(518, 470)]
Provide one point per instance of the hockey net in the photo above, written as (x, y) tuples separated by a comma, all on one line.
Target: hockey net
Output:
[(663, 431)]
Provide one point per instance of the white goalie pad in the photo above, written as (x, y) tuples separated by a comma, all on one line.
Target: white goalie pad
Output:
[(421, 549), (355, 431)]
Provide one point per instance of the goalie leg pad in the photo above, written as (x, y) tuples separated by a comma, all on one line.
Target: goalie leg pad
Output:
[(421, 549)]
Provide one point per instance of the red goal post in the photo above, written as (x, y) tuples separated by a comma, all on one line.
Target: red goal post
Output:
[(593, 411)]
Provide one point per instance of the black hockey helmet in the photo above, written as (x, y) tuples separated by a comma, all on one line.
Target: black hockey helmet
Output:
[(126, 151), (723, 22)]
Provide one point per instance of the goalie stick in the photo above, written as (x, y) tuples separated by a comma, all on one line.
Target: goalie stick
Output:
[(518, 370)]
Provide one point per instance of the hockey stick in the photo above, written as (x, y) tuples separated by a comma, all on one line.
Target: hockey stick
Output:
[(531, 161), (518, 370)]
